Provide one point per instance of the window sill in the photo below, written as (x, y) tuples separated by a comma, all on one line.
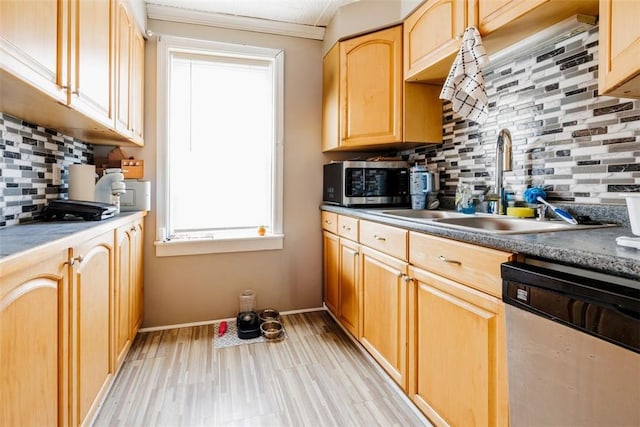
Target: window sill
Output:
[(219, 245)]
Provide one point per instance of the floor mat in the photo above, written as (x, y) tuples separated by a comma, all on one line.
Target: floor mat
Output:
[(230, 337)]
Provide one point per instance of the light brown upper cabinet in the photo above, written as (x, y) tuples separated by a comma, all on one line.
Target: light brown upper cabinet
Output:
[(29, 41), (56, 54), (367, 105), (432, 36), (493, 14), (90, 65), (129, 75), (433, 32), (619, 66), (136, 106)]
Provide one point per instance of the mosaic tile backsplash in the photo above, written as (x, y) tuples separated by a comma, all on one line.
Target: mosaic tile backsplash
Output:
[(581, 147), (28, 154)]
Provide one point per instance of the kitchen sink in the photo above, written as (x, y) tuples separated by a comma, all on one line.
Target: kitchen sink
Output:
[(483, 223), (506, 225), (419, 214)]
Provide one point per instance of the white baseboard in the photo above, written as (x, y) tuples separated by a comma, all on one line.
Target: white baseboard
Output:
[(210, 322)]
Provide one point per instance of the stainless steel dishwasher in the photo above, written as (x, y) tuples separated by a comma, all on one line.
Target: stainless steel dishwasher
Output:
[(573, 346)]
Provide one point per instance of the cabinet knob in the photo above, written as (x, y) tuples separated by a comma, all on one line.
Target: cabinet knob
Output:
[(73, 260), (326, 221), (133, 229), (450, 261), (344, 227), (382, 239)]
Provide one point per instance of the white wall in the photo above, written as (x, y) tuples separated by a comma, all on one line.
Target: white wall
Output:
[(205, 287), (364, 16)]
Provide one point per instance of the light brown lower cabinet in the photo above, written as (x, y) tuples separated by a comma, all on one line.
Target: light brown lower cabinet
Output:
[(331, 272), (92, 364), (457, 370), (128, 290), (58, 326), (34, 342), (350, 299), (384, 315), (428, 310), (341, 269)]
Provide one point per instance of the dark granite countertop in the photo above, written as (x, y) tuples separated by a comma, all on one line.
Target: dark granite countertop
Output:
[(17, 239), (594, 249)]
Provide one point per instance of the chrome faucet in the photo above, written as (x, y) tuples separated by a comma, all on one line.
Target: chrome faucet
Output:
[(503, 163)]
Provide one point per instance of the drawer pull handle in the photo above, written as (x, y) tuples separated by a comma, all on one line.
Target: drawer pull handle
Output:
[(450, 261), (344, 227), (326, 221), (73, 260), (382, 239)]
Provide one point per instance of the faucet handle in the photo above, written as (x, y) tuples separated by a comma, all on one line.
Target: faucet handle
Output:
[(542, 212)]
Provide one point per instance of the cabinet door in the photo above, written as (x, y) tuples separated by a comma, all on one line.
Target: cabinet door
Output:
[(137, 86), (371, 88), (33, 339), (91, 290), (30, 43), (457, 362), (123, 290), (384, 315), (123, 34), (493, 14), (432, 36), (619, 60), (137, 277), (331, 271), (349, 279), (90, 59), (330, 99)]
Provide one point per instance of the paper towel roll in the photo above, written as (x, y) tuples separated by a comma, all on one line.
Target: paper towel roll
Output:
[(82, 182)]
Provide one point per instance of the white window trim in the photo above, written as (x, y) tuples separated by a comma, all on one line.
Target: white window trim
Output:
[(272, 241)]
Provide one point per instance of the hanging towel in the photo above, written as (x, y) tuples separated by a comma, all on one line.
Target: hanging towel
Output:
[(464, 86)]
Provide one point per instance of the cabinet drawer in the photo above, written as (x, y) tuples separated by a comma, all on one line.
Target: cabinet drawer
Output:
[(472, 265), (348, 227), (329, 222), (390, 240)]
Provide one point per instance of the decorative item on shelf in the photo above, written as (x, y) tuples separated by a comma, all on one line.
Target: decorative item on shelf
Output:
[(262, 230), (131, 168), (464, 86)]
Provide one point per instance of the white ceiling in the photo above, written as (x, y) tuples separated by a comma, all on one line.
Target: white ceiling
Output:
[(315, 13)]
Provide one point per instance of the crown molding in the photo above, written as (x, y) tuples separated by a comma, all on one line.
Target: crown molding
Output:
[(187, 16)]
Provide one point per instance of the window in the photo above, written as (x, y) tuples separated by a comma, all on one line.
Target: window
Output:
[(219, 147)]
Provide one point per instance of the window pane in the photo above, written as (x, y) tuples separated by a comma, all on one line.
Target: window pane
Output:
[(221, 143)]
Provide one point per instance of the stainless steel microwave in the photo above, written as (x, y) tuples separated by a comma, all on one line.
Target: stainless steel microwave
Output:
[(366, 183)]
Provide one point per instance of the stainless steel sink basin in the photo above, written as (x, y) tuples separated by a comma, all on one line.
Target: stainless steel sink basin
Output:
[(481, 223), (506, 225), (419, 214)]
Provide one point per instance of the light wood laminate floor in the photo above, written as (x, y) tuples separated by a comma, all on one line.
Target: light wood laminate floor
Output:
[(315, 377)]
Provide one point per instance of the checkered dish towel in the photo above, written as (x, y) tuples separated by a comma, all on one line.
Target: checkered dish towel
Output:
[(465, 84)]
